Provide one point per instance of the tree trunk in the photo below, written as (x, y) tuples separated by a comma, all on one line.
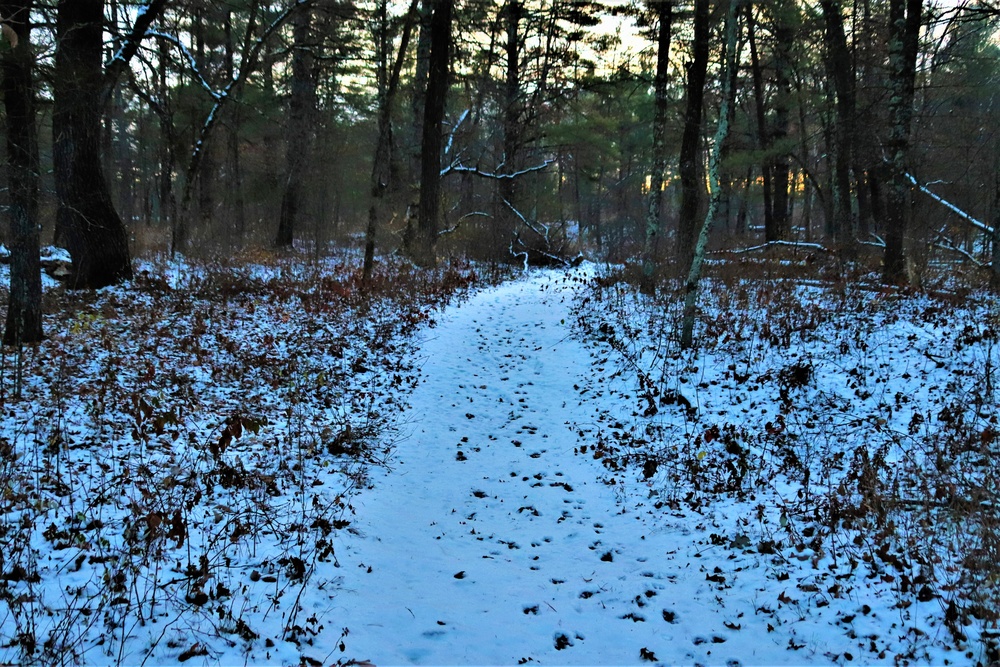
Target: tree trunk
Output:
[(763, 134), (664, 11), (388, 83), (207, 173), (507, 201), (420, 73), (995, 235), (838, 62), (88, 222), (24, 310), (784, 14), (691, 187), (299, 131), (239, 223), (168, 200), (904, 31), (694, 275), (421, 241)]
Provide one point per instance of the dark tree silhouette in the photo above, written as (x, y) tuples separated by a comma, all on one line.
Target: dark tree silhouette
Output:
[(24, 310)]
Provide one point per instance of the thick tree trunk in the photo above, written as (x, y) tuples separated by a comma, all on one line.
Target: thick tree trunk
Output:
[(995, 236), (721, 132), (904, 31), (691, 185), (842, 74), (785, 16), (420, 73), (87, 220), (665, 15), (507, 201), (299, 131), (24, 310), (382, 171), (421, 241)]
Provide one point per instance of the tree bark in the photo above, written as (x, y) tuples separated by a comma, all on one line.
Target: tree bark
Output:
[(24, 310), (995, 235), (388, 84), (665, 15), (511, 127), (238, 204), (784, 14), (904, 31), (299, 131), (763, 134), (421, 71), (721, 132), (421, 241), (842, 73), (86, 217), (691, 187)]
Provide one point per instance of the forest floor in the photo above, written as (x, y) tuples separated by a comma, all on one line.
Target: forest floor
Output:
[(259, 466)]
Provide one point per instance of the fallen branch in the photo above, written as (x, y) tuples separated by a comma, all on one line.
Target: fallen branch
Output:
[(773, 244), (979, 224), (476, 171)]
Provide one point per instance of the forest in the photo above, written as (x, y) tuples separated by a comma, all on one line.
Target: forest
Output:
[(711, 283)]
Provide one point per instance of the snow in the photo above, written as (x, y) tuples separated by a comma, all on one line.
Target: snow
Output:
[(556, 564), (526, 499)]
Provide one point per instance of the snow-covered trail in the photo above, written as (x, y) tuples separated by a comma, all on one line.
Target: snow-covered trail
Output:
[(490, 542)]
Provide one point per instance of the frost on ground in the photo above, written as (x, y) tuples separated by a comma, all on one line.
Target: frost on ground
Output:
[(543, 479)]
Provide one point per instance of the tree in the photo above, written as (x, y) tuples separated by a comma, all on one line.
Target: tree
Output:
[(87, 221), (838, 61), (691, 187), (664, 12), (421, 240), (506, 206), (786, 14), (301, 115), (388, 84), (721, 132), (904, 31), (24, 310), (763, 134)]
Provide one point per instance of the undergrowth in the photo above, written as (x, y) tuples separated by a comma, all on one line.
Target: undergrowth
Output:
[(185, 449), (856, 426)]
